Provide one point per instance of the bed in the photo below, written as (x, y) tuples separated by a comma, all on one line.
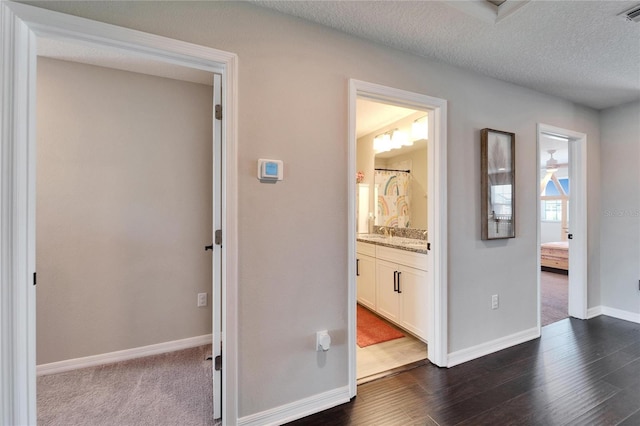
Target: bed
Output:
[(555, 255)]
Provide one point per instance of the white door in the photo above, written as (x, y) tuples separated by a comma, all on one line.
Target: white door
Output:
[(217, 249), (577, 228)]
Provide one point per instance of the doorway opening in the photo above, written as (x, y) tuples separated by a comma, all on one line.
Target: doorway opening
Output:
[(562, 224), (397, 256), (391, 159), (118, 189), (554, 228), (31, 27)]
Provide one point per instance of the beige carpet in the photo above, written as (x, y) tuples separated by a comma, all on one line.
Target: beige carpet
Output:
[(554, 297), (167, 389)]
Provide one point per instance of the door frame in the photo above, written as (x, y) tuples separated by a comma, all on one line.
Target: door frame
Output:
[(22, 26), (437, 220), (578, 259)]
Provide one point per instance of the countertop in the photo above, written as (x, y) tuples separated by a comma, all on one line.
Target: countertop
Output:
[(402, 243)]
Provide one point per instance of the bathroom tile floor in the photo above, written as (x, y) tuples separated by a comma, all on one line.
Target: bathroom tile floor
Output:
[(376, 359)]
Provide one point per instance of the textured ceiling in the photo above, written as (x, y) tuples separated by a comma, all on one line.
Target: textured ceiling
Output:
[(578, 50)]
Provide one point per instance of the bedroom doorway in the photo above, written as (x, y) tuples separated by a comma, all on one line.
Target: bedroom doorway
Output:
[(562, 225), (31, 27)]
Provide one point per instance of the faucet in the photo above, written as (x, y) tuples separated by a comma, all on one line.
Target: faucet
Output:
[(385, 231), (424, 234)]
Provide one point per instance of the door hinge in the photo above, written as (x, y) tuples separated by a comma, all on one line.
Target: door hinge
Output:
[(218, 112), (34, 278), (217, 363), (218, 237)]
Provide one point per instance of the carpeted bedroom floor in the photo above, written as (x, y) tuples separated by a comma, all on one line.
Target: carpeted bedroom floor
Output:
[(554, 297), (168, 389)]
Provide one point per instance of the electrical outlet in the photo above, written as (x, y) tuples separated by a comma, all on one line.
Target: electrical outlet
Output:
[(495, 302), (202, 299)]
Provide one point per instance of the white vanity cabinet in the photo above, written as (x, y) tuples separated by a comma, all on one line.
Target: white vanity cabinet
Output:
[(402, 289), (366, 274)]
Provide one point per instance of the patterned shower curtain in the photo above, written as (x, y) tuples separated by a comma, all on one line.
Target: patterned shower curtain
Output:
[(394, 198)]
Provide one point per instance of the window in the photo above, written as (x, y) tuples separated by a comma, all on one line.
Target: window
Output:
[(551, 210)]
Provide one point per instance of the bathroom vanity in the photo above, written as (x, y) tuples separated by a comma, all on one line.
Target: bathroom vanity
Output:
[(392, 280)]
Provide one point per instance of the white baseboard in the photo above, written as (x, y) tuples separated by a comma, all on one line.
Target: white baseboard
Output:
[(620, 314), (487, 348), (110, 357), (594, 312), (297, 409)]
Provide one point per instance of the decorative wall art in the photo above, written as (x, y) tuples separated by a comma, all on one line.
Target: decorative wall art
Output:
[(498, 184)]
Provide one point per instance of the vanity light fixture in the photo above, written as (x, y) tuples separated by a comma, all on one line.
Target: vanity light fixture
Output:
[(397, 138), (382, 143), (400, 138), (393, 139), (420, 129)]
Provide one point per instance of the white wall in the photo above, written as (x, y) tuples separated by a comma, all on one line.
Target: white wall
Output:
[(293, 81), (123, 210), (620, 232)]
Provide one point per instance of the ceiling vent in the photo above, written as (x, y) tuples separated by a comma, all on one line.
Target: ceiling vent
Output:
[(632, 14)]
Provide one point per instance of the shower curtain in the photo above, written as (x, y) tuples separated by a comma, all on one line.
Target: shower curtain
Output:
[(394, 198)]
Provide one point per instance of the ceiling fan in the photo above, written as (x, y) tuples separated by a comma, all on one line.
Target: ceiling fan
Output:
[(552, 163), (551, 167)]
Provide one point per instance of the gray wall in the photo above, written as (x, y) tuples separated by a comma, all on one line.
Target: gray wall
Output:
[(620, 231), (123, 210), (293, 81)]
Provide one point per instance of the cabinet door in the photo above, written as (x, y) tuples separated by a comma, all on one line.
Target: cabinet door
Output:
[(388, 303), (366, 281), (414, 294)]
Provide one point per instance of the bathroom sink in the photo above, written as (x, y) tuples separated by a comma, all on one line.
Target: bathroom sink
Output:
[(372, 237)]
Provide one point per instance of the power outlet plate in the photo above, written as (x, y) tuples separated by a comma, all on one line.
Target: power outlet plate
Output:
[(202, 300), (495, 302)]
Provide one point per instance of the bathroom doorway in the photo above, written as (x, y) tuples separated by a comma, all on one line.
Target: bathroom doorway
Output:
[(397, 228), (391, 159)]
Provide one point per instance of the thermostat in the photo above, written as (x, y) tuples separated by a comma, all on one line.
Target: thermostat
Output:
[(270, 170)]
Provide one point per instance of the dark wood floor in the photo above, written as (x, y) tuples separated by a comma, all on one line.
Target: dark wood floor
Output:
[(577, 373)]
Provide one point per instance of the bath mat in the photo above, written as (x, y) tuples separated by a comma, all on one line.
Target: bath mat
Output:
[(372, 329)]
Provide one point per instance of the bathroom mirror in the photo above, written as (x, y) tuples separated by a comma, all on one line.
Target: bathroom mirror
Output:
[(498, 184), (391, 159)]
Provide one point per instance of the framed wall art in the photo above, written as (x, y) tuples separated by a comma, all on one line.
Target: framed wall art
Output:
[(498, 182)]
